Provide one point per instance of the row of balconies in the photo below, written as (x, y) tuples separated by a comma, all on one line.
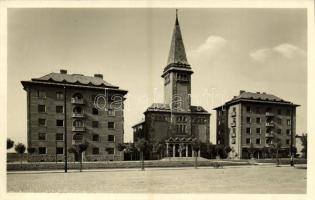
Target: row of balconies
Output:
[(268, 124), (268, 135)]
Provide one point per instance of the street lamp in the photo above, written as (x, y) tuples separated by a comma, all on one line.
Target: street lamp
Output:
[(292, 137)]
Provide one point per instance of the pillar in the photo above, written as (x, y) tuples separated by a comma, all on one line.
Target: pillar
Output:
[(167, 150), (173, 150), (192, 152), (180, 151), (186, 150), (198, 153)]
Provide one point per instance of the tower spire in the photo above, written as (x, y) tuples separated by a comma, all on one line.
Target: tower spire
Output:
[(177, 52)]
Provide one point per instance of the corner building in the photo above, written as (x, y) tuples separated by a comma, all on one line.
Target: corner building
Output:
[(175, 122), (254, 120), (63, 105)]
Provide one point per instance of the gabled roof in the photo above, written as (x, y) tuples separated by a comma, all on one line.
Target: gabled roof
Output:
[(74, 79), (259, 97)]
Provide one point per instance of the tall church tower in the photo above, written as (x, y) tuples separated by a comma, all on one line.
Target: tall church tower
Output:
[(177, 74)]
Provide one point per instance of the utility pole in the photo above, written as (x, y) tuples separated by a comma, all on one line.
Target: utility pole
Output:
[(65, 126)]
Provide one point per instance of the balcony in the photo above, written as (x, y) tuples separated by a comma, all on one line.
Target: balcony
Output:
[(269, 114), (270, 124), (233, 124), (78, 115), (233, 114), (78, 129), (77, 101), (269, 135)]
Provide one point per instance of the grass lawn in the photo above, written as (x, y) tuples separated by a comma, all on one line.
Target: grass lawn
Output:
[(241, 179)]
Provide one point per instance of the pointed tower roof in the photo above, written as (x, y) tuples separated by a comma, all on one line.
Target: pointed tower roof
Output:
[(177, 52)]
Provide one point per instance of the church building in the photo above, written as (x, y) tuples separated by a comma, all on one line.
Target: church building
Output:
[(175, 122)]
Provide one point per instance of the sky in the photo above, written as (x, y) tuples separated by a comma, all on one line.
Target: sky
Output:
[(257, 50)]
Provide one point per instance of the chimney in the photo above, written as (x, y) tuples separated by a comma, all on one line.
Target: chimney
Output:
[(63, 71), (242, 91), (98, 76)]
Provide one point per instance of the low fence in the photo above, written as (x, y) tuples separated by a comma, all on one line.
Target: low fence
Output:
[(136, 164), (116, 164)]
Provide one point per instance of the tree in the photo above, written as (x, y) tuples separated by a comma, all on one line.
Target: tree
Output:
[(227, 150), (74, 151), (81, 148), (120, 147), (141, 145), (30, 151), (130, 149), (77, 150), (277, 147), (10, 143), (20, 149), (159, 149), (304, 144), (195, 144)]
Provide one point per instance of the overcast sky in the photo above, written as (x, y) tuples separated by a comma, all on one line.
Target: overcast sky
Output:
[(228, 49)]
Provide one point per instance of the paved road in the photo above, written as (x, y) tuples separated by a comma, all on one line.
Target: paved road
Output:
[(233, 179)]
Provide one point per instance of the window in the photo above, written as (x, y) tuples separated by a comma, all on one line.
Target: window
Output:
[(258, 120), (111, 125), (41, 94), (279, 121), (289, 122), (258, 130), (288, 112), (257, 110), (279, 131), (248, 109), (95, 150), (41, 136), (59, 109), (248, 120), (111, 138), (268, 109), (110, 150), (288, 141), (59, 95), (233, 141), (41, 108), (59, 136), (248, 130), (247, 140), (181, 128), (258, 141), (42, 150), (233, 130), (111, 112), (59, 150), (288, 131), (279, 111), (234, 109), (95, 124), (59, 122), (42, 122), (94, 111), (96, 137)]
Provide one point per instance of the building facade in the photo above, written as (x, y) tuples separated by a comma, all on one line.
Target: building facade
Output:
[(66, 109), (175, 122), (254, 121)]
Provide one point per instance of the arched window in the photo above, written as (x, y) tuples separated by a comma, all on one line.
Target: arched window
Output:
[(77, 110), (78, 123), (77, 96)]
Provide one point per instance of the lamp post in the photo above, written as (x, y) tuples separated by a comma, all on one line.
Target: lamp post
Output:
[(292, 137), (65, 126)]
